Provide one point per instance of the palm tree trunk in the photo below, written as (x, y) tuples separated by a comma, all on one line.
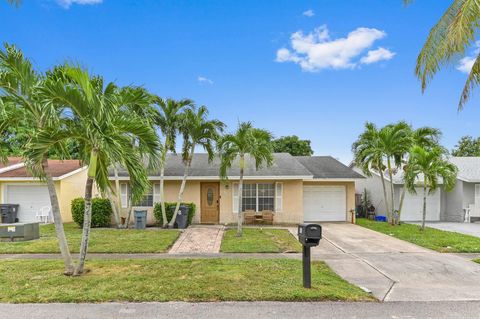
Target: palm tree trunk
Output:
[(57, 219), (118, 201), (424, 216), (392, 213), (87, 221), (240, 198), (400, 205), (87, 215), (387, 208), (182, 188), (162, 185)]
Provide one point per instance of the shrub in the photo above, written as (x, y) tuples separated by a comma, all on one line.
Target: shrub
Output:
[(101, 212), (170, 208)]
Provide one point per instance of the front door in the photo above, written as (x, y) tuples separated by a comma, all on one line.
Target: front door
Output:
[(210, 202)]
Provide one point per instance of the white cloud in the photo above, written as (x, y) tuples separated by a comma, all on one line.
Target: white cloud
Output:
[(204, 80), (309, 13), (317, 50), (466, 64), (67, 3), (380, 54)]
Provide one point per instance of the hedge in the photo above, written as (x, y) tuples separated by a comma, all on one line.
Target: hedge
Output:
[(170, 208), (101, 212)]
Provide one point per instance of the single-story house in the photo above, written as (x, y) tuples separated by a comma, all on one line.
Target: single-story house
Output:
[(296, 189), (441, 205), (18, 186)]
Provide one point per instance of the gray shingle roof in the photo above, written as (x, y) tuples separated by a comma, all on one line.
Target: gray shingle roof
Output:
[(284, 165), (468, 168), (327, 167)]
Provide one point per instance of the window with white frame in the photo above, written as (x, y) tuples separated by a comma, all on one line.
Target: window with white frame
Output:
[(259, 197), (147, 200), (124, 195)]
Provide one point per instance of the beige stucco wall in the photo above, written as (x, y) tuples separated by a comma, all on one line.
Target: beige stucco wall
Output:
[(291, 213), (70, 188), (350, 192)]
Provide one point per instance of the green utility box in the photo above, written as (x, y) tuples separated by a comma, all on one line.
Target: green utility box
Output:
[(19, 231)]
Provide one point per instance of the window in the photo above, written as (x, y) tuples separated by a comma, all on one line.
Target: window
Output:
[(147, 200), (266, 197), (258, 197), (124, 195), (249, 199)]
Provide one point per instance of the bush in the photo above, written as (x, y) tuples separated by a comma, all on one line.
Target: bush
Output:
[(170, 208), (101, 212)]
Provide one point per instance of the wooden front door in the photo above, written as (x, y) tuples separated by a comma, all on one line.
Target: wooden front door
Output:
[(210, 202)]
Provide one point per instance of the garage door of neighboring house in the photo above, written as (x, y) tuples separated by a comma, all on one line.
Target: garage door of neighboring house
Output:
[(30, 198), (413, 206), (324, 203)]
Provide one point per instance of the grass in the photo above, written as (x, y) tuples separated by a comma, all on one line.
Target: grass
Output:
[(102, 240), (260, 240), (477, 260), (41, 281), (435, 239)]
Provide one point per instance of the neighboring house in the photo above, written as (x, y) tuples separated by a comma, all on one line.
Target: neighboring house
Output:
[(296, 189), (17, 186), (441, 205)]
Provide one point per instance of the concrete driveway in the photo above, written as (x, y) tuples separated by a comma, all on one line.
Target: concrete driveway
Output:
[(463, 228), (395, 270)]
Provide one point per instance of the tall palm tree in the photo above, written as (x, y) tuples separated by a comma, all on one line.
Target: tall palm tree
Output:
[(24, 104), (451, 37), (106, 136), (137, 100), (197, 130), (429, 166), (169, 121), (425, 137), (394, 141), (246, 141), (368, 155)]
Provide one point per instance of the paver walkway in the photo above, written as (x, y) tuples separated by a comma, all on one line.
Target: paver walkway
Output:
[(199, 239)]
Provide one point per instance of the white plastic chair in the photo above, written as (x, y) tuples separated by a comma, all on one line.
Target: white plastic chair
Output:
[(43, 214)]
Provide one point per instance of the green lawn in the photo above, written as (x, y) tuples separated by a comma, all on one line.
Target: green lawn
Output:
[(477, 260), (41, 281), (260, 240), (439, 240), (102, 240)]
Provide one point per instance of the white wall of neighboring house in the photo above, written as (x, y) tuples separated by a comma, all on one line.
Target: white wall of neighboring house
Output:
[(374, 186)]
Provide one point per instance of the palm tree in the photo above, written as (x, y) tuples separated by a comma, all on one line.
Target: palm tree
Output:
[(425, 137), (452, 35), (197, 130), (368, 155), (136, 100), (106, 136), (428, 166), (246, 141), (169, 121), (23, 104)]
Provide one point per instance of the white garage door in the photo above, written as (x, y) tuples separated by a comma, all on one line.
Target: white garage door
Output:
[(413, 206), (30, 198), (324, 203)]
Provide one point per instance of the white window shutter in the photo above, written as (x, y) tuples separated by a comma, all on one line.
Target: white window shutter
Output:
[(124, 195), (235, 197), (477, 193), (278, 197), (156, 193)]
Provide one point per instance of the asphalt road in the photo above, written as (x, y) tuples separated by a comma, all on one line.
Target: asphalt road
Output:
[(234, 310)]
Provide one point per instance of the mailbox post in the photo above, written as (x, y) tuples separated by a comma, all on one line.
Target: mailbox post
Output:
[(309, 235)]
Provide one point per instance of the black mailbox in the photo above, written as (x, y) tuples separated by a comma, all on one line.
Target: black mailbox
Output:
[(309, 234)]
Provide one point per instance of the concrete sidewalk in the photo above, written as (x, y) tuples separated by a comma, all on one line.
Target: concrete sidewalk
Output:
[(199, 239), (472, 229)]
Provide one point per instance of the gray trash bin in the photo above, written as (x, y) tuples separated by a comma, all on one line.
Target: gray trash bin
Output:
[(140, 219), (182, 217), (8, 213)]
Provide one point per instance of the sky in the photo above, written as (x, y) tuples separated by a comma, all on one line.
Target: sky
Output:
[(318, 69)]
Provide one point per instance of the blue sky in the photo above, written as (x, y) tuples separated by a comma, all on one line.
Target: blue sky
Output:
[(340, 63)]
